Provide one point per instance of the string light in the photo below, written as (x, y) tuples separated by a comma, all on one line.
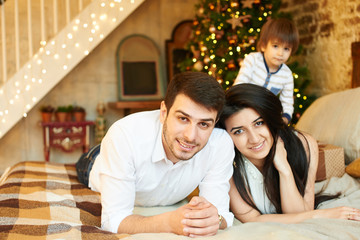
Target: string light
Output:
[(29, 82)]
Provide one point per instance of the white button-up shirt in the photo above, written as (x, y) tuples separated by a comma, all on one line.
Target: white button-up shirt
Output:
[(132, 169)]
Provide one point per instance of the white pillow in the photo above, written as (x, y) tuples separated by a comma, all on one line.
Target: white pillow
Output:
[(335, 119)]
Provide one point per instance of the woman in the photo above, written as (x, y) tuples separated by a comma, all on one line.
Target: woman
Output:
[(274, 166)]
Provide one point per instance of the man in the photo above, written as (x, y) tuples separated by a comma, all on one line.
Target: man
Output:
[(157, 158)]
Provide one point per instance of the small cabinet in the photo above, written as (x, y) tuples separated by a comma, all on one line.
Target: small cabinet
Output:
[(66, 136)]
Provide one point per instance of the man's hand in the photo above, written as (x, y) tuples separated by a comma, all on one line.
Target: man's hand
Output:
[(201, 219)]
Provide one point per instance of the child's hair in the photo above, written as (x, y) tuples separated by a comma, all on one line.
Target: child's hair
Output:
[(282, 30)]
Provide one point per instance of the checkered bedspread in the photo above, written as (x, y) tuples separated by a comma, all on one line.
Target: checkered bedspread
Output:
[(40, 200)]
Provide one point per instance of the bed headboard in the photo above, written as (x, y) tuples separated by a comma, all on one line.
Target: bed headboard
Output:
[(355, 53)]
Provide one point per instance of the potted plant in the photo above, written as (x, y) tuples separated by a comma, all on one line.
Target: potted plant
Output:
[(79, 113), (46, 113), (62, 113)]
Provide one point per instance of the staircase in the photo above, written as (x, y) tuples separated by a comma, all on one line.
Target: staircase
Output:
[(57, 57)]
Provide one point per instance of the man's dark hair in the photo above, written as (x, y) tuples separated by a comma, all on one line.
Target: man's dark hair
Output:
[(199, 87)]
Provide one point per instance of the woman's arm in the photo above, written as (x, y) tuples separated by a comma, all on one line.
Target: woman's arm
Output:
[(245, 213), (291, 199)]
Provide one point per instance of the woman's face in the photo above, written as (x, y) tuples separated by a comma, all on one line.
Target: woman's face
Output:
[(250, 135)]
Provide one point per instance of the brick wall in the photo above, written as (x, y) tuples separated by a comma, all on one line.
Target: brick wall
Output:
[(327, 28)]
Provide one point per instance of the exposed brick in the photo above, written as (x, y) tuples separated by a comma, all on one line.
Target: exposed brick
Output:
[(324, 4), (299, 2), (306, 40), (313, 29), (324, 16), (327, 27), (305, 20), (312, 7), (352, 21)]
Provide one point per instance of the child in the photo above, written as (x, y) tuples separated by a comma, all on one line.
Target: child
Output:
[(279, 38)]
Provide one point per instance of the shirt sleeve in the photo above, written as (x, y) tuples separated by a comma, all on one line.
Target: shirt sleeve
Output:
[(246, 70), (117, 179), (287, 96), (215, 186)]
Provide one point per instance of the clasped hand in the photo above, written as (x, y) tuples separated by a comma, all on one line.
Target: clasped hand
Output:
[(197, 218)]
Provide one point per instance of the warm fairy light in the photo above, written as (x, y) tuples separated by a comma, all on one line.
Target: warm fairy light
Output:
[(56, 51)]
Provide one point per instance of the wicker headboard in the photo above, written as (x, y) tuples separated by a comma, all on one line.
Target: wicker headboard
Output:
[(355, 53)]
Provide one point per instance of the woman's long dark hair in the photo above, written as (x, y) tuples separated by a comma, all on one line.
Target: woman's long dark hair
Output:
[(269, 107)]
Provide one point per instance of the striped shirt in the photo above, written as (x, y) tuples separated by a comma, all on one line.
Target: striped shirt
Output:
[(254, 70)]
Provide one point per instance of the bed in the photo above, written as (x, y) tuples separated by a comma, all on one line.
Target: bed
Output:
[(42, 200)]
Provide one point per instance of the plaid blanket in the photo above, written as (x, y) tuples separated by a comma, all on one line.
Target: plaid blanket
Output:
[(40, 200)]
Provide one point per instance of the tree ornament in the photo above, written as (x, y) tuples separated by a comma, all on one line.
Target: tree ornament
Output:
[(235, 21), (247, 3), (212, 28), (198, 66), (234, 4)]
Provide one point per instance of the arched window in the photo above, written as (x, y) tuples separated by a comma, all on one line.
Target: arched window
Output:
[(140, 70)]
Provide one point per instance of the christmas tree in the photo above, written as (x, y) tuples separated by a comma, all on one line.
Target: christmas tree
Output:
[(225, 31)]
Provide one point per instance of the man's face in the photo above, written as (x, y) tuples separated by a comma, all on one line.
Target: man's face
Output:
[(186, 128)]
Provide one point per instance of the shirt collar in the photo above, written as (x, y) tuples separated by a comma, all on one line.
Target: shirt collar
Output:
[(267, 68)]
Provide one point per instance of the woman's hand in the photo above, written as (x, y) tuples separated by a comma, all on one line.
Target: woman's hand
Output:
[(280, 158), (348, 213)]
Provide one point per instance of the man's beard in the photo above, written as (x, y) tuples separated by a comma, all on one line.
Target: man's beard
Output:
[(171, 146)]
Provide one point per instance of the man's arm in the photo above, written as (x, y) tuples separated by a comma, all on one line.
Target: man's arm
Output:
[(166, 222)]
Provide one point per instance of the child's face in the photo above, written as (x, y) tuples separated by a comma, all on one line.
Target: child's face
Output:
[(276, 54)]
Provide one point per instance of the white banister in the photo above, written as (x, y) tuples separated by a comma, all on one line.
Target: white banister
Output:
[(17, 39), (29, 21), (55, 10), (67, 11), (3, 40), (42, 22), (52, 60), (80, 5)]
